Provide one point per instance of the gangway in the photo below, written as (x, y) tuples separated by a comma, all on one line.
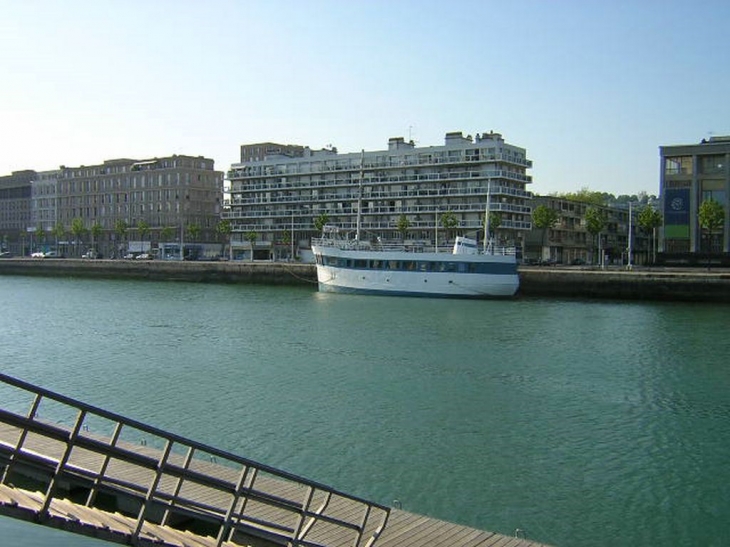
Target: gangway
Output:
[(70, 465), (76, 467)]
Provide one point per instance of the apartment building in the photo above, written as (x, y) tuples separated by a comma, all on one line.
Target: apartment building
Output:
[(570, 242), (162, 196), (15, 190), (277, 192), (691, 174), (44, 199)]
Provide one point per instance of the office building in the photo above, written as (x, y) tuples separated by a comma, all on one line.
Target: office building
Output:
[(691, 174)]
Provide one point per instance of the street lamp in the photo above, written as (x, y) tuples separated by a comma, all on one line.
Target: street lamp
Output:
[(630, 265)]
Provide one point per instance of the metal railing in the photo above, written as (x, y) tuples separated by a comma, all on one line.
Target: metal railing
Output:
[(165, 479)]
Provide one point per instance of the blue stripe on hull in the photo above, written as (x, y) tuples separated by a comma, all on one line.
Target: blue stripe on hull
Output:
[(374, 292)]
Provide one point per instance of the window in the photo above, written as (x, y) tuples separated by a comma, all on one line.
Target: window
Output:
[(680, 165), (712, 165)]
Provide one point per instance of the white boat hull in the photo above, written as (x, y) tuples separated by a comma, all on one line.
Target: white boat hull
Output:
[(416, 274)]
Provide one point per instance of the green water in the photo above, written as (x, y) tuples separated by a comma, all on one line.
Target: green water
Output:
[(583, 423)]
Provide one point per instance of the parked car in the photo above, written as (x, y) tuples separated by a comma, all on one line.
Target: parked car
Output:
[(6, 254), (38, 254), (91, 254), (50, 254), (143, 256), (129, 256)]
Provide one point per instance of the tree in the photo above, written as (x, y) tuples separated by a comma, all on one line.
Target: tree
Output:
[(585, 195), (120, 228), (143, 228), (96, 231), (449, 222), (58, 231), (167, 233), (595, 222), (495, 221), (402, 226), (193, 231), (77, 229), (224, 229), (649, 220), (251, 238), (544, 218), (321, 221), (711, 216)]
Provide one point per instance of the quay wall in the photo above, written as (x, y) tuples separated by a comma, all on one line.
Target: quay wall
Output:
[(270, 273), (689, 285)]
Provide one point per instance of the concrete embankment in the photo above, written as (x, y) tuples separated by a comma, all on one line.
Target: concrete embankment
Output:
[(690, 285), (270, 273)]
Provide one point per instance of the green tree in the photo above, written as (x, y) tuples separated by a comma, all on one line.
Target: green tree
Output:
[(449, 222), (40, 235), (77, 229), (595, 223), (120, 228), (144, 229), (96, 231), (544, 218), (711, 216), (193, 231), (495, 221), (251, 238), (58, 231), (224, 229), (321, 221), (167, 233), (649, 220), (585, 195), (402, 226)]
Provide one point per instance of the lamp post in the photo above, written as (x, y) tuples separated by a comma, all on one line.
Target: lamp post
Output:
[(182, 227), (630, 265)]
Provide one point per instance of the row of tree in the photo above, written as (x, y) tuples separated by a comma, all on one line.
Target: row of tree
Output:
[(711, 217), (78, 230)]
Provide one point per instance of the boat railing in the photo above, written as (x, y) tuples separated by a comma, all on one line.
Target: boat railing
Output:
[(399, 246)]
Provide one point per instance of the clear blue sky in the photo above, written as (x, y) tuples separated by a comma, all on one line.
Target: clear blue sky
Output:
[(590, 88)]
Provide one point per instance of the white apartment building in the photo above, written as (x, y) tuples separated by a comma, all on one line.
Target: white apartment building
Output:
[(276, 198)]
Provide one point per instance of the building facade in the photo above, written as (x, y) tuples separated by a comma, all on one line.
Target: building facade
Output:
[(275, 198), (570, 242), (122, 200), (159, 199), (691, 174), (15, 215)]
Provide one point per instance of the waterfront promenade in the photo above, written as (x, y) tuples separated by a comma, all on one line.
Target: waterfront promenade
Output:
[(688, 285)]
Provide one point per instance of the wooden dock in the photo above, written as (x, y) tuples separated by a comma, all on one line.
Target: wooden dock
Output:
[(105, 476)]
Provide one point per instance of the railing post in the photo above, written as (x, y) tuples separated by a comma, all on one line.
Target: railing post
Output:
[(227, 527), (105, 464), (178, 486), (151, 490), (43, 513), (23, 434)]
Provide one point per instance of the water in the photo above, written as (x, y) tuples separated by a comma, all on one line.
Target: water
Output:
[(583, 423)]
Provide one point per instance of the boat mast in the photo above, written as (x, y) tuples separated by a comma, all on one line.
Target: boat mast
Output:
[(487, 242), (359, 194)]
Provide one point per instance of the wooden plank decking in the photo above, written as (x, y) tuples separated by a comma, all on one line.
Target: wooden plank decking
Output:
[(107, 487)]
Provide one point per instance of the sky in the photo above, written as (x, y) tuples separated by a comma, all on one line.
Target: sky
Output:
[(590, 88)]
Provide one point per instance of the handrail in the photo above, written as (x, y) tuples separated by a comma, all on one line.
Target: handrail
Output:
[(269, 489)]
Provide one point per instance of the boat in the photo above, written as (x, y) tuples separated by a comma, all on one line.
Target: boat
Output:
[(351, 265), (371, 267)]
